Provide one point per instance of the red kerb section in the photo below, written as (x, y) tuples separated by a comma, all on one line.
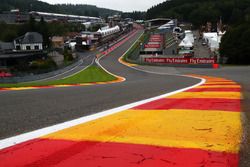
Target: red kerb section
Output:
[(214, 90), (193, 104), (60, 153)]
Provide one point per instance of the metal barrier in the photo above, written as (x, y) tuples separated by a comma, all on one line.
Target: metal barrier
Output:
[(31, 78)]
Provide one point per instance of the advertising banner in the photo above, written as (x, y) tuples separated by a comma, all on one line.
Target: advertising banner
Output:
[(155, 40), (155, 36), (180, 60), (152, 46)]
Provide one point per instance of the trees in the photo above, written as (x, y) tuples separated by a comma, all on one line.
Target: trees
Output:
[(43, 29), (136, 15), (10, 32), (35, 5), (199, 12), (235, 44), (67, 55)]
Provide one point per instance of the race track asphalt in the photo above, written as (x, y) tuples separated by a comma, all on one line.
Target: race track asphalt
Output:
[(28, 110)]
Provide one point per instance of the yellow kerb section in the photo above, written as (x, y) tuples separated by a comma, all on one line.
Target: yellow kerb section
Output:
[(207, 130), (22, 88), (126, 63)]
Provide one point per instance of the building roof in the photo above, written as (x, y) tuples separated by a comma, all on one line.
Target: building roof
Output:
[(30, 38), (158, 19), (109, 31), (6, 45), (64, 15)]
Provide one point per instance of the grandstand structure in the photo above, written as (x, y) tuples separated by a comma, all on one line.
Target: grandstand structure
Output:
[(15, 16), (63, 17)]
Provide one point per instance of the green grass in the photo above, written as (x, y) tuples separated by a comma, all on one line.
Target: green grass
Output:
[(91, 74), (136, 45)]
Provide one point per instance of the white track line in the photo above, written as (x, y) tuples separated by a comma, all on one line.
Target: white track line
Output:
[(98, 59), (39, 80), (8, 142), (5, 143), (80, 70), (98, 63), (75, 66)]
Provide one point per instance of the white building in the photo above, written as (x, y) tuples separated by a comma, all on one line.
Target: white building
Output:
[(213, 40), (109, 31), (31, 41), (188, 41)]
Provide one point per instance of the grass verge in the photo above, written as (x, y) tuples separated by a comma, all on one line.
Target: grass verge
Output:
[(91, 74), (135, 47)]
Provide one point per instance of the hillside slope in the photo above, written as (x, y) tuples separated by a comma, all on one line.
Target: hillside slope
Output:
[(200, 11), (29, 5)]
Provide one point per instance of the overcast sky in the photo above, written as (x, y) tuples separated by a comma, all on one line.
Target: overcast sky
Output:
[(122, 5)]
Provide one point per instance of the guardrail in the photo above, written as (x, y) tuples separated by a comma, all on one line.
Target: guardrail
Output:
[(31, 78)]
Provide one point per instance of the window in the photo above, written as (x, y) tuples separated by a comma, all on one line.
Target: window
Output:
[(36, 47), (18, 48), (28, 48)]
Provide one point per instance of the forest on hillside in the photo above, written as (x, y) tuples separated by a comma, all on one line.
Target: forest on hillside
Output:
[(200, 11), (235, 45), (12, 31), (34, 5), (136, 15)]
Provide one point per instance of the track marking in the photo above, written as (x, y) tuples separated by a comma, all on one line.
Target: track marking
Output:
[(45, 131), (51, 129), (80, 70), (170, 133), (119, 79)]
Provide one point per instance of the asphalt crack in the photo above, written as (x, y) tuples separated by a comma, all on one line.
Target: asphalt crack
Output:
[(143, 158)]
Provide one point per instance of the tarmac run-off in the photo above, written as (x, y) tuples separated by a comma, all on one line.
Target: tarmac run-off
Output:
[(198, 127)]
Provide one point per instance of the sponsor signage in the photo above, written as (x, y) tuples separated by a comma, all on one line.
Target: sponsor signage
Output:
[(180, 60), (152, 46), (155, 40), (155, 36)]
